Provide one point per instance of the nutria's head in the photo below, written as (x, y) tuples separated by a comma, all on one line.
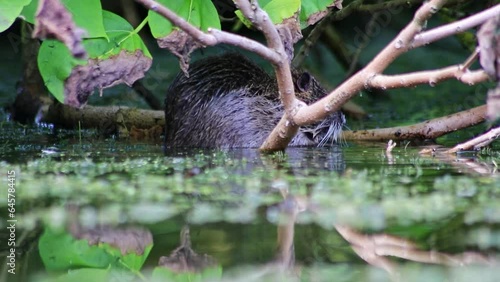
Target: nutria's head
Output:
[(326, 131)]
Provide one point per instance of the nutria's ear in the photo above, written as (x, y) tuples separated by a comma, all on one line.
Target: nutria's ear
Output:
[(304, 82)]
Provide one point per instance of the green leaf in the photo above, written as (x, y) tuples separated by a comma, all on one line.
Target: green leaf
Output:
[(311, 7), (279, 10), (9, 11), (55, 63), (200, 13), (29, 11), (122, 36), (60, 251), (86, 14)]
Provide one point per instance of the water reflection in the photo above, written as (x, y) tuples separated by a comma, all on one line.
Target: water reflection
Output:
[(256, 216)]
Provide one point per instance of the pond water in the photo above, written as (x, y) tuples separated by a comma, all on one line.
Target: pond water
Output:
[(95, 209)]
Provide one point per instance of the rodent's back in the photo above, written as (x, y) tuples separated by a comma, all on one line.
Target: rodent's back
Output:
[(218, 75), (221, 104), (228, 101)]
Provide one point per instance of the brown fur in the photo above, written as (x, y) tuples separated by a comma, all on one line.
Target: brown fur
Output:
[(227, 101)]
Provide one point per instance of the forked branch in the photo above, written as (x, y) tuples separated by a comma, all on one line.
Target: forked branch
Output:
[(296, 112)]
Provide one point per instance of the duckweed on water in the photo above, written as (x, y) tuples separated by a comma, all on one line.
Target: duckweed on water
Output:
[(242, 196), (365, 199)]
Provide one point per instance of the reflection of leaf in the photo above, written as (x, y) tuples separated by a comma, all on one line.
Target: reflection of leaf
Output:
[(184, 259), (9, 10), (60, 251), (86, 14), (85, 274), (200, 13), (96, 248), (131, 245), (165, 274)]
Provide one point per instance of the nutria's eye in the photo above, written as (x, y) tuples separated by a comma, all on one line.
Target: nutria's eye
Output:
[(304, 82)]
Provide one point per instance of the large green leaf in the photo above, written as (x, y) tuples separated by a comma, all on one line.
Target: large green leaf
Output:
[(9, 11), (278, 10), (121, 37), (311, 7), (200, 13), (86, 14), (56, 63)]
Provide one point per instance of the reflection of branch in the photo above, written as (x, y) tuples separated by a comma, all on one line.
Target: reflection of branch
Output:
[(373, 248), (478, 142), (465, 164), (286, 233), (425, 130)]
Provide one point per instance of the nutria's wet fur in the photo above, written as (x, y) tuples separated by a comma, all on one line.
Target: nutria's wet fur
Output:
[(227, 101)]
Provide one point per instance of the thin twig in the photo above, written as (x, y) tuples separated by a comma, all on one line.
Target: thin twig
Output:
[(431, 77), (455, 27)]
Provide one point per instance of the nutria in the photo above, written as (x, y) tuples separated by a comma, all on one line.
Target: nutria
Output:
[(227, 101)]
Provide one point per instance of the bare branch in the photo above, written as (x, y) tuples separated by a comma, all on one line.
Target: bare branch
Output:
[(349, 88), (431, 77), (455, 27), (425, 130), (245, 43)]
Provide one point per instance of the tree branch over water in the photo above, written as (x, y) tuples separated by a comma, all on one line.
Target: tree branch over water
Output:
[(425, 130), (371, 76)]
